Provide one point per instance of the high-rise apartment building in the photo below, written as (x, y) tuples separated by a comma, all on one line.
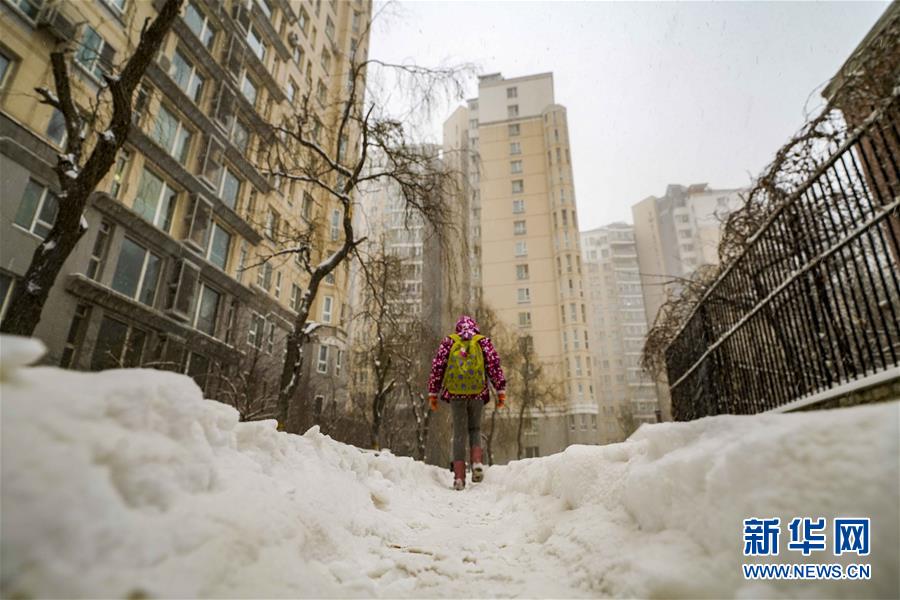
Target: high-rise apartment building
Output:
[(626, 394), (529, 263), (170, 272), (676, 234)]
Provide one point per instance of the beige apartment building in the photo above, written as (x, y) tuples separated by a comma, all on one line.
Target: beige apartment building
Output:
[(525, 226), (676, 234), (625, 393), (168, 274)]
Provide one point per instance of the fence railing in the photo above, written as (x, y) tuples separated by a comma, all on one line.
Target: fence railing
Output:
[(813, 302)]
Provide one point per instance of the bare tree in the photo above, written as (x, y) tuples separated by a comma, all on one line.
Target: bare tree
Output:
[(299, 152), (79, 176), (381, 318)]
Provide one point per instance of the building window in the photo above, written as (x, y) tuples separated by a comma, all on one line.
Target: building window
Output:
[(512, 111), (295, 297), (171, 135), (31, 8), (524, 319), (515, 167), (255, 41), (155, 200), (98, 254), (291, 91), (518, 186), (518, 207), (519, 227), (75, 336), (230, 189), (37, 211), (6, 288), (335, 225), (207, 310), (240, 136), (272, 221), (117, 6), (277, 291), (521, 248), (524, 295), (256, 331), (321, 93), (513, 129), (197, 368), (532, 451), (5, 68), (264, 276), (322, 362), (137, 273), (141, 100), (94, 53), (199, 24), (270, 339), (249, 90), (119, 172), (327, 308), (355, 22), (118, 345), (265, 7), (303, 21), (512, 92), (521, 271), (56, 128), (186, 76), (219, 244), (515, 148)]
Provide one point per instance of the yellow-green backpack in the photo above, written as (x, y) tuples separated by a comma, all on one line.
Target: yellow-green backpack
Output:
[(465, 367)]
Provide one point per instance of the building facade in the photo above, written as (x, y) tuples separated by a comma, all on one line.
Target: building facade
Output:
[(171, 272), (527, 259), (626, 394), (675, 235)]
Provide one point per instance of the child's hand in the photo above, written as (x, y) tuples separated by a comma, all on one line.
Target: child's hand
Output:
[(432, 400), (501, 399)]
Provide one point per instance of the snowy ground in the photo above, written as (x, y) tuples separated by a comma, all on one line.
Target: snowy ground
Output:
[(128, 482)]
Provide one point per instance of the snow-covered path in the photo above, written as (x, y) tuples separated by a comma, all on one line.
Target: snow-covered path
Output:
[(128, 483), (472, 544)]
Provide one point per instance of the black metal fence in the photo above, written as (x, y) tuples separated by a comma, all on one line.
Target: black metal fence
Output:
[(813, 302)]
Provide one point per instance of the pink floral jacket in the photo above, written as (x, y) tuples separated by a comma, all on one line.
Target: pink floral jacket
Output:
[(466, 328)]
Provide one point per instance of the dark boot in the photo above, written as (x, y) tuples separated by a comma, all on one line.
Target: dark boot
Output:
[(459, 474), (477, 467)]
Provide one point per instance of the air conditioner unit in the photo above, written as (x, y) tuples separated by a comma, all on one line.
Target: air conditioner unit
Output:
[(53, 20), (294, 39)]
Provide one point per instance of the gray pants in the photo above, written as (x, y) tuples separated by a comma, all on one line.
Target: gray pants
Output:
[(466, 418)]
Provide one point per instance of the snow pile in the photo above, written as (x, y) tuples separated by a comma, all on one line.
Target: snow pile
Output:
[(126, 483)]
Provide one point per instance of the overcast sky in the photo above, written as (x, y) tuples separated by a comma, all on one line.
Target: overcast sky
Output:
[(657, 93)]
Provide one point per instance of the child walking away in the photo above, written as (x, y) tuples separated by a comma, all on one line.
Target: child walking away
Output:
[(459, 373)]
